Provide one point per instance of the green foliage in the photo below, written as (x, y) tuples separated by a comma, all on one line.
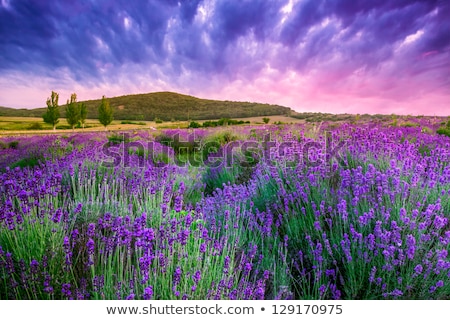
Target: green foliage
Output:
[(320, 117), (158, 120), (266, 120), (194, 124), (219, 123), (133, 122), (26, 162), (424, 150), (51, 116), (105, 112), (179, 147), (215, 178), (83, 114), (73, 114), (117, 138), (444, 131)]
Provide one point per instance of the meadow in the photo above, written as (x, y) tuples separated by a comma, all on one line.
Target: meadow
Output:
[(299, 211)]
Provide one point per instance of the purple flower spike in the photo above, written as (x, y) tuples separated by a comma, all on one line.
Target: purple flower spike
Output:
[(148, 293)]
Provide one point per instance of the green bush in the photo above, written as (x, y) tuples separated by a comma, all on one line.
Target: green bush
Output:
[(194, 125), (444, 131)]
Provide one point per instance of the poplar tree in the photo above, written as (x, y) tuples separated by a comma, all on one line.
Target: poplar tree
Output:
[(105, 112), (51, 116), (72, 111), (83, 114)]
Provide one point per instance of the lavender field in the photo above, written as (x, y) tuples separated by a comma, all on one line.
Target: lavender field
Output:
[(330, 211)]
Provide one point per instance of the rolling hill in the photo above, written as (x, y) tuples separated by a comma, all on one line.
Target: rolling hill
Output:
[(165, 106)]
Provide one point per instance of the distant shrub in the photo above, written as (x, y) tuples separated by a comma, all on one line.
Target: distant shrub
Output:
[(132, 122), (266, 120), (13, 144), (208, 124), (35, 126), (157, 120), (444, 131), (223, 122), (194, 125)]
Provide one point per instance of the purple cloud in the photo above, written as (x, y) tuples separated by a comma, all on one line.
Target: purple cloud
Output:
[(296, 52)]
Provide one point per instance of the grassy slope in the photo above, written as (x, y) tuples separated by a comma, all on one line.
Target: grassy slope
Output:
[(166, 106)]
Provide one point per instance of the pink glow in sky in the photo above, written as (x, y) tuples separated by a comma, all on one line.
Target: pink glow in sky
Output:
[(335, 56)]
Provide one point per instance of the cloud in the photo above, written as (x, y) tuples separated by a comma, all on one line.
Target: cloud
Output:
[(390, 51)]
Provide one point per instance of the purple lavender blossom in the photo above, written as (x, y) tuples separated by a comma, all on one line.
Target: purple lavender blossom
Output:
[(148, 293)]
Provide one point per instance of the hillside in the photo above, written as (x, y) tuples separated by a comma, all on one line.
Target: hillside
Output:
[(165, 106)]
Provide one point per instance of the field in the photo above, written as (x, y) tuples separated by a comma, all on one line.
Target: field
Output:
[(330, 210), (27, 125)]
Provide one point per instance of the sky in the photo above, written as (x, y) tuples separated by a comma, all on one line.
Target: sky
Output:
[(336, 56)]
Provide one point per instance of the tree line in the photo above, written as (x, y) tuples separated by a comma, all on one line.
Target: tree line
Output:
[(76, 112)]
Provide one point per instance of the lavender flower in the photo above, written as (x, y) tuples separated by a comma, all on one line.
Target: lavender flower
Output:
[(411, 243), (148, 293)]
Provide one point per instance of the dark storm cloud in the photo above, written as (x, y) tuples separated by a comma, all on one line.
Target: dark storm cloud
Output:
[(368, 30), (92, 38), (82, 36)]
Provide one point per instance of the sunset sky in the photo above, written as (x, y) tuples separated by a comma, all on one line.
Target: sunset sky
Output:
[(337, 56)]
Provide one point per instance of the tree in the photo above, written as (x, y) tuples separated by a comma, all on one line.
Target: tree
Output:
[(83, 114), (105, 112), (72, 111), (266, 120), (51, 116)]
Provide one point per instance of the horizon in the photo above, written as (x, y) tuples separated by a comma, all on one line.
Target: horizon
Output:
[(334, 56), (370, 114)]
